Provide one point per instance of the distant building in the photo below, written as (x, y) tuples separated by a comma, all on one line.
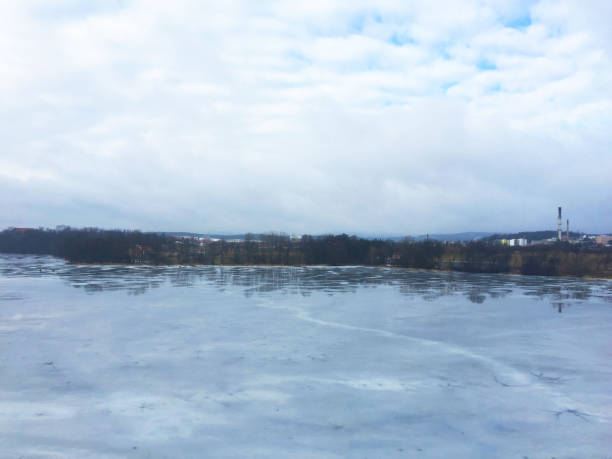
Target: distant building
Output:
[(514, 242), (603, 239)]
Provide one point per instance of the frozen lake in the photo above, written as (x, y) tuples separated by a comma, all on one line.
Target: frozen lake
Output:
[(245, 362)]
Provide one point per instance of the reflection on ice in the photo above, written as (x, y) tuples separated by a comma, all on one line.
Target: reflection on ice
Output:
[(429, 285)]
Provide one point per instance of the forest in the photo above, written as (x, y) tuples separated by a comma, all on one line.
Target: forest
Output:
[(94, 245)]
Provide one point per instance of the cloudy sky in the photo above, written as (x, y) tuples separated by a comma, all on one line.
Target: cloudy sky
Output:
[(387, 117)]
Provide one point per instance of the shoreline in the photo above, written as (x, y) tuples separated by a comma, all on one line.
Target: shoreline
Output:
[(408, 268), (595, 276)]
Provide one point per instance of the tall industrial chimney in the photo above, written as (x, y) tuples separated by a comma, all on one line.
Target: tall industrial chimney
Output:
[(559, 224), (567, 231)]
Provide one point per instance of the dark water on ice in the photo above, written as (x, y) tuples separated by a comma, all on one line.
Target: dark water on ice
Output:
[(139, 361)]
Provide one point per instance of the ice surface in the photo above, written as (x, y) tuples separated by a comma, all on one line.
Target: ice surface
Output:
[(126, 361)]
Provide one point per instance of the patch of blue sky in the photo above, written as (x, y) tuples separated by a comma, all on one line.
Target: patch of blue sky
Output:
[(447, 86), (520, 22), (486, 65), (359, 21), (400, 39)]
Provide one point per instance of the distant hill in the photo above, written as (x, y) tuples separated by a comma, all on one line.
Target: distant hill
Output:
[(444, 237), (178, 234), (213, 236), (450, 237), (529, 235), (467, 236)]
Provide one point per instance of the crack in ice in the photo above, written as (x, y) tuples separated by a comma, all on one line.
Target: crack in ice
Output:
[(519, 380)]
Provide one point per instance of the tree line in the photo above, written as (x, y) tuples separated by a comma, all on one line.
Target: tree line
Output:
[(94, 245), (87, 245)]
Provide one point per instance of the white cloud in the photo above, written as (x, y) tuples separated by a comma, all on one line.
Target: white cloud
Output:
[(323, 116)]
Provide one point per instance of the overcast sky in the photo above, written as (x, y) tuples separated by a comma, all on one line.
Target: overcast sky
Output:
[(387, 117)]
